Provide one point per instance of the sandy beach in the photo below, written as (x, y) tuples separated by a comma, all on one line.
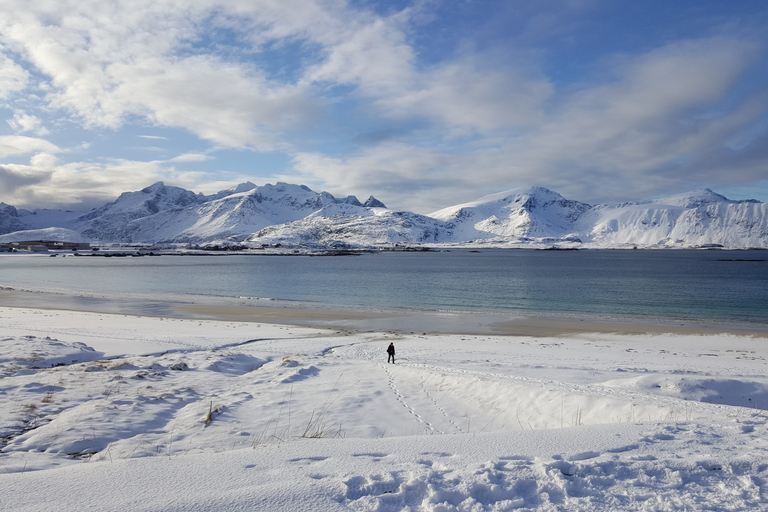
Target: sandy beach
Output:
[(242, 407)]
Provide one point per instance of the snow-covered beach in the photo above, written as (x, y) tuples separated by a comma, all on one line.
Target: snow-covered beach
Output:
[(105, 411)]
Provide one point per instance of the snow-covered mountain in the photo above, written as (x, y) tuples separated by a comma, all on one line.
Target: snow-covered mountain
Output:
[(350, 225), (117, 220), (161, 213), (519, 214), (12, 220), (9, 219), (235, 216), (697, 218), (293, 215), (693, 219)]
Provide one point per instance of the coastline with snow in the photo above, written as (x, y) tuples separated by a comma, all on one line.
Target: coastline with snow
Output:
[(119, 412)]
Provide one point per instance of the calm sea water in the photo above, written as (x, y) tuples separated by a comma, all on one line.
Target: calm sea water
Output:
[(704, 285)]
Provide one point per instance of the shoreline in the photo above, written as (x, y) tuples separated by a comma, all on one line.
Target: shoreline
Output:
[(365, 320)]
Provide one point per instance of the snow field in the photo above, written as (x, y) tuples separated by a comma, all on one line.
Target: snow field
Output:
[(210, 415)]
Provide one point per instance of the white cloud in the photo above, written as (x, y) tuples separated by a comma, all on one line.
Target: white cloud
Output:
[(13, 77), (467, 94), (46, 183), (401, 175), (191, 157), (108, 61), (370, 54), (11, 145), (22, 122), (218, 102), (661, 109)]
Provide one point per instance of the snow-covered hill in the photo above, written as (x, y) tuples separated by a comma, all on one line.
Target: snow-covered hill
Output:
[(50, 234), (293, 215)]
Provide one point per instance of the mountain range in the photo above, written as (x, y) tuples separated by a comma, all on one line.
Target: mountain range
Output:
[(296, 216)]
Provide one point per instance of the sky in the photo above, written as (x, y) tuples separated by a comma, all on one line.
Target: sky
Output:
[(423, 104)]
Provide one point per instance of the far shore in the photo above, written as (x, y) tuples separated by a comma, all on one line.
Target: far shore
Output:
[(370, 320)]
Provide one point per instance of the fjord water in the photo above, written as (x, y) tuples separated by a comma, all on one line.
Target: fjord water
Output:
[(711, 285)]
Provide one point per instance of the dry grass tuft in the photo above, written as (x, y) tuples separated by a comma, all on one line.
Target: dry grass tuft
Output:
[(211, 410)]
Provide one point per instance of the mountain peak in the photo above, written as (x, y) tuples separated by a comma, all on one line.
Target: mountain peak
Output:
[(8, 210), (372, 202), (693, 199), (155, 187), (524, 197), (242, 187)]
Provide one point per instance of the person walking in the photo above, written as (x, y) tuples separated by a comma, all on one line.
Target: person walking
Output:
[(391, 352)]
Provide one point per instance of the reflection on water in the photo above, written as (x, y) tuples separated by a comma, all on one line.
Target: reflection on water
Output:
[(105, 304)]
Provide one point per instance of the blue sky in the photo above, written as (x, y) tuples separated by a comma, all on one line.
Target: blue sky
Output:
[(423, 104)]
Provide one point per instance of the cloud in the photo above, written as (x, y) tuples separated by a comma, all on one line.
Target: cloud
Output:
[(370, 54), (12, 178), (191, 157), (108, 61), (663, 107), (468, 94), (12, 145), (216, 101), (22, 122), (13, 77), (400, 174), (45, 183)]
